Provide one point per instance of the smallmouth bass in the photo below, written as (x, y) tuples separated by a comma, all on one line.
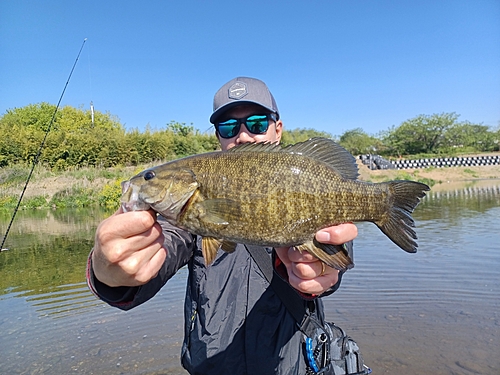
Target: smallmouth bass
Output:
[(263, 194)]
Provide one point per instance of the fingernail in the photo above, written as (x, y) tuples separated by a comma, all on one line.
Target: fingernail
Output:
[(323, 236)]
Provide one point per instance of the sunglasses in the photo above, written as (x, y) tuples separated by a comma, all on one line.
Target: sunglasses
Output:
[(256, 124)]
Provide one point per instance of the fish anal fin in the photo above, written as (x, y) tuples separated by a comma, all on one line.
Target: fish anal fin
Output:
[(334, 256)]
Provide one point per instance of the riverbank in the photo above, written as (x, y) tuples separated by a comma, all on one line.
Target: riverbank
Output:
[(87, 187)]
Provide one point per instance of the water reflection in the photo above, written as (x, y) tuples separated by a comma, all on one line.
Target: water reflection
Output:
[(459, 203), (51, 323), (436, 311), (47, 250)]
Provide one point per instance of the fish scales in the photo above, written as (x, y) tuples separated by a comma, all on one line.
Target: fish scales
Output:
[(283, 207), (263, 195)]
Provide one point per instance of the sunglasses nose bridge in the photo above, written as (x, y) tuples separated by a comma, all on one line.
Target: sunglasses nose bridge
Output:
[(244, 135)]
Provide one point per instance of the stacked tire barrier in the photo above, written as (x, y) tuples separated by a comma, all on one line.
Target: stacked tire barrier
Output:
[(373, 162), (376, 162)]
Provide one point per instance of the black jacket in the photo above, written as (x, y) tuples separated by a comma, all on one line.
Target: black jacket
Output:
[(234, 322)]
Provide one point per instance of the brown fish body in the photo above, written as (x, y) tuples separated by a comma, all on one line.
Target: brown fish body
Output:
[(263, 194), (285, 207)]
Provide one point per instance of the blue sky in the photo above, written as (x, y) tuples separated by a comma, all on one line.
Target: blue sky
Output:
[(332, 65)]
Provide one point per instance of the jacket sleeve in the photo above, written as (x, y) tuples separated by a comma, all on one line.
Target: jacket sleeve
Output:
[(179, 246)]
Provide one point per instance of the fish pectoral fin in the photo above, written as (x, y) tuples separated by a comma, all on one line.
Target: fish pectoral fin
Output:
[(209, 248), (219, 211), (334, 256)]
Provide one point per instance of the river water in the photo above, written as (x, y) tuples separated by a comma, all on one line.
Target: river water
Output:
[(433, 312)]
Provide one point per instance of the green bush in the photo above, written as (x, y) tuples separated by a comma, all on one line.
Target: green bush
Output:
[(110, 194), (7, 203), (35, 202), (73, 197)]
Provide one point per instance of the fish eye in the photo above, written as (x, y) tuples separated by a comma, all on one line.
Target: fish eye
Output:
[(149, 175)]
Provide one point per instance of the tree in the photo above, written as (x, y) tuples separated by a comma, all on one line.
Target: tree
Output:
[(290, 137), (357, 142), (422, 134), (180, 128), (470, 136)]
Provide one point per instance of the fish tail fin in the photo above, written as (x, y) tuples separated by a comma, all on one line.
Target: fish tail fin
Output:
[(397, 223)]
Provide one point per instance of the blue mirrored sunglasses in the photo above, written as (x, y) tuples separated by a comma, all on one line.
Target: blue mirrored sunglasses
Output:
[(256, 124)]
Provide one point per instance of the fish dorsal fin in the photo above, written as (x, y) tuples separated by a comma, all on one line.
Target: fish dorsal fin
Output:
[(328, 152), (321, 149)]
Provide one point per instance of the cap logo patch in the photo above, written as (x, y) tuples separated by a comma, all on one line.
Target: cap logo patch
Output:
[(238, 90)]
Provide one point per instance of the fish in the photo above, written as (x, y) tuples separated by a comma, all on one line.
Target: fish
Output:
[(268, 195)]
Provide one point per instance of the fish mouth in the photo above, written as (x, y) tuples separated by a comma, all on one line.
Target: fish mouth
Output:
[(130, 200)]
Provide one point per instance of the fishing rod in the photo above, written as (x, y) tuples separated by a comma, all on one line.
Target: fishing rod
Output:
[(35, 161)]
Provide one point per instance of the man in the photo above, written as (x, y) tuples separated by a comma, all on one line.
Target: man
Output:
[(234, 321)]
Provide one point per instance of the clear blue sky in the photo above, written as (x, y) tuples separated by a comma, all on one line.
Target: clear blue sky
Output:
[(332, 65)]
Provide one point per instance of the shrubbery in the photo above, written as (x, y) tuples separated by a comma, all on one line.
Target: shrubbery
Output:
[(75, 142)]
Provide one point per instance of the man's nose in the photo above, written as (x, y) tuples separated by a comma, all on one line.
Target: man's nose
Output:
[(244, 136)]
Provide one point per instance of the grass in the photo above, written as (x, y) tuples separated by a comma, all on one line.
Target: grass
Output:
[(471, 172), (415, 177), (13, 175), (404, 175), (93, 174), (71, 197), (86, 187)]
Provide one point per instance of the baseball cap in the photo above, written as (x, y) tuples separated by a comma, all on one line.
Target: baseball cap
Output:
[(243, 90)]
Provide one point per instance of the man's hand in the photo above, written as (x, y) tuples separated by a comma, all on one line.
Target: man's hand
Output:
[(305, 272), (128, 249)]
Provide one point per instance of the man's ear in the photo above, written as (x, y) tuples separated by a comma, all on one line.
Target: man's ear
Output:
[(279, 130)]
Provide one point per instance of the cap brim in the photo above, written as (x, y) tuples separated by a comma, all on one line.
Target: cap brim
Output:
[(230, 105)]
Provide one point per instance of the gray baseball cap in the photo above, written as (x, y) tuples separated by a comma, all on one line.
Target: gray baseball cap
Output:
[(243, 90)]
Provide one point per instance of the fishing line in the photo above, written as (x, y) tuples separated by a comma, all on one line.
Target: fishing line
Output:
[(90, 86), (35, 161)]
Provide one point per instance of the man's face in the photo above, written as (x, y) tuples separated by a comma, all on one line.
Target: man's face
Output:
[(273, 134)]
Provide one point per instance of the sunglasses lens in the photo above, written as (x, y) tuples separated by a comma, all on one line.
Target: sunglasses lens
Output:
[(257, 124), (229, 128)]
